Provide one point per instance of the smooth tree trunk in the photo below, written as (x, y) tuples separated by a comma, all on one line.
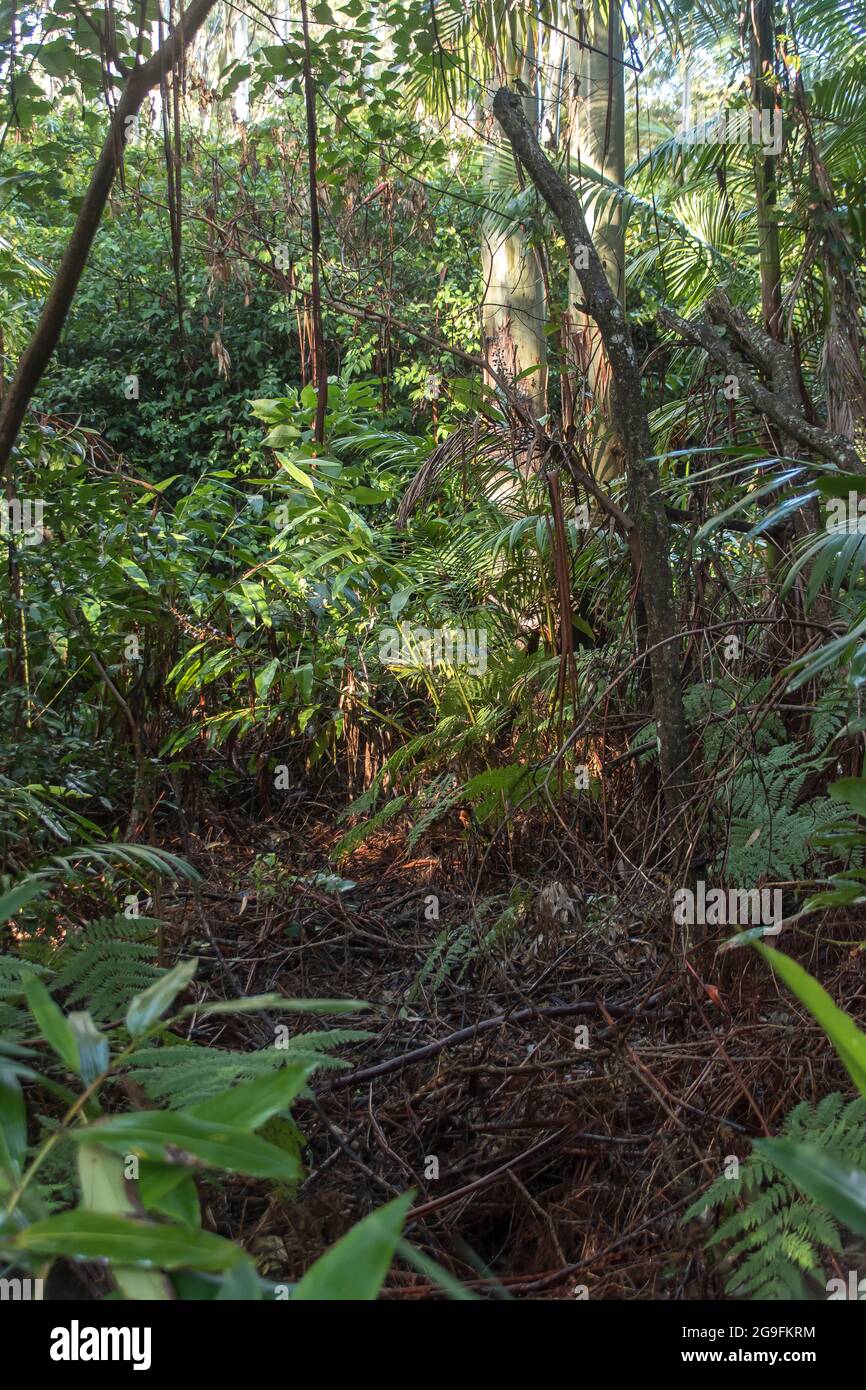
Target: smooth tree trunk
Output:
[(596, 110), (646, 504), (514, 308), (138, 82)]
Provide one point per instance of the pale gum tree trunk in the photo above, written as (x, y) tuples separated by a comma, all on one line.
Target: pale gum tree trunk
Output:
[(514, 308), (596, 100)]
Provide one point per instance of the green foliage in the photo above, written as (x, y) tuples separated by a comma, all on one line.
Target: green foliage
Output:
[(770, 830), (137, 1208), (181, 1073), (776, 1238), (213, 605), (455, 951), (106, 963)]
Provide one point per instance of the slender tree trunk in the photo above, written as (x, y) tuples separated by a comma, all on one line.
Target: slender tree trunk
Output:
[(320, 359), (762, 52), (646, 504), (37, 354), (514, 310), (597, 146)]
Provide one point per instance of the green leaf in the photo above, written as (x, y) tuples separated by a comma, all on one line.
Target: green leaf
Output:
[(241, 1283), (278, 1002), (846, 1037), (157, 1134), (296, 473), (851, 791), (248, 1106), (265, 678), (104, 1190), (18, 896), (144, 1009), (266, 409), (840, 484), (91, 1235), (281, 435), (92, 1046), (135, 572), (169, 1189), (354, 1269), (367, 496), (52, 1025), (837, 1186), (436, 1274), (13, 1124)]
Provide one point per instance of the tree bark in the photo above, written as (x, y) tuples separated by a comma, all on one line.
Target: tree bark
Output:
[(37, 354), (646, 504), (762, 55), (597, 146), (781, 402), (514, 310)]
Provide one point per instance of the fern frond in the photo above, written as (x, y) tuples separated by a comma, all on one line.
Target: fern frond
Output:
[(108, 961), (774, 1235)]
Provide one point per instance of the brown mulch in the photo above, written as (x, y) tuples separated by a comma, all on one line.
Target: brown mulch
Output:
[(563, 1169)]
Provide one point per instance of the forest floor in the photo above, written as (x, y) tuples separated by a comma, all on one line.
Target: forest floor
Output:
[(556, 1099)]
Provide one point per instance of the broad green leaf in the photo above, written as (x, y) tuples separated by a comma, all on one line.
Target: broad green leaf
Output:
[(840, 484), (354, 1269), (367, 496), (156, 1134), (13, 1124), (19, 896), (846, 1037), (169, 1189), (281, 435), (241, 1283), (104, 1190), (838, 1186), (851, 791), (135, 572), (52, 1025), (248, 1106), (265, 678), (93, 1235), (92, 1046), (265, 409), (296, 473), (144, 1009)]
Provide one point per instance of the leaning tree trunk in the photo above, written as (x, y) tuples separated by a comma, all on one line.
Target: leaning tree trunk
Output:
[(646, 504), (514, 310), (35, 358), (597, 148)]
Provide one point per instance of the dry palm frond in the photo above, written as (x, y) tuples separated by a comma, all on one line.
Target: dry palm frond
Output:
[(492, 458)]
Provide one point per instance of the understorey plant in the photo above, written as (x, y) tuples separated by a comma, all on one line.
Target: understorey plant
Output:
[(116, 1190)]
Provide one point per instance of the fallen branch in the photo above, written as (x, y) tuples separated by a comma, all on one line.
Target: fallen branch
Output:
[(420, 1054)]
